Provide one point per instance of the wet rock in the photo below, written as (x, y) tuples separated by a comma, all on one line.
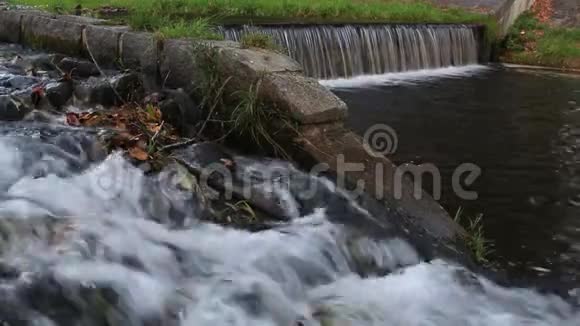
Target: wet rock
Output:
[(180, 110), (8, 272), (95, 91), (78, 68), (18, 82), (41, 116), (108, 92), (218, 169), (128, 86), (59, 93), (46, 295), (45, 62), (12, 109), (12, 69)]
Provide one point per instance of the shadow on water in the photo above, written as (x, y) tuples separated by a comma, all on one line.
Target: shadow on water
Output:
[(521, 128)]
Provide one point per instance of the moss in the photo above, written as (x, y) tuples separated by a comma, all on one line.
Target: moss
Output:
[(259, 40), (46, 42)]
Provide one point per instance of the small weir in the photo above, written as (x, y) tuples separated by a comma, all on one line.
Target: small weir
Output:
[(328, 52)]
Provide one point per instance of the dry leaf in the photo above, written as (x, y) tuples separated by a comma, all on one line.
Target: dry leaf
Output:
[(72, 119), (138, 154), (227, 163), (154, 127)]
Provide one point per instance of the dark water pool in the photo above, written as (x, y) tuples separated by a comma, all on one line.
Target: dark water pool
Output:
[(521, 128)]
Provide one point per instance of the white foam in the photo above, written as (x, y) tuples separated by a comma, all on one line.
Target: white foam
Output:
[(400, 78)]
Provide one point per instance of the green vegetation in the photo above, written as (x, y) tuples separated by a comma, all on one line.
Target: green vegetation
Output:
[(475, 238), (258, 40), (240, 114), (200, 28), (532, 42), (250, 118), (154, 14)]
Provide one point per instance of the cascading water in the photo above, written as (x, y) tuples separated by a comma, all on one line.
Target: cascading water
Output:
[(90, 239), (328, 52)]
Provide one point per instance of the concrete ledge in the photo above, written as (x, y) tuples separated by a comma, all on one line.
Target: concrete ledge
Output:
[(10, 23), (322, 143), (103, 43), (177, 64), (139, 51), (303, 98), (52, 34)]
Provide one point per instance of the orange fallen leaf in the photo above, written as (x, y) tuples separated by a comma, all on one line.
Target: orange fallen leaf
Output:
[(138, 154), (228, 163), (153, 127), (72, 119)]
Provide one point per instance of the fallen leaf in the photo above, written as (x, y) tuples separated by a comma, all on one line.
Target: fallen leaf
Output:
[(138, 154), (72, 119), (154, 127), (227, 163)]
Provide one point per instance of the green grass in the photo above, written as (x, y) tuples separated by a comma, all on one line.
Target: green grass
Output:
[(250, 118), (152, 14), (200, 28), (475, 237), (258, 40), (532, 42)]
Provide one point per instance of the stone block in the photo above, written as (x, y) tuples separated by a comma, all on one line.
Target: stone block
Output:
[(177, 64), (103, 43), (139, 51), (52, 34), (303, 98), (10, 26)]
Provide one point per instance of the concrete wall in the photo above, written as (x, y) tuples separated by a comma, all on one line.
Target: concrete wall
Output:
[(317, 111), (505, 11), (509, 13)]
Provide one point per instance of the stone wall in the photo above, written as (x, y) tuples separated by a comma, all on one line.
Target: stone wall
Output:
[(317, 111), (505, 11)]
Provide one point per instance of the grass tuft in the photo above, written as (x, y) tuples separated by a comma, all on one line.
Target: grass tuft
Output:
[(250, 118), (200, 28), (479, 246), (533, 42), (259, 40)]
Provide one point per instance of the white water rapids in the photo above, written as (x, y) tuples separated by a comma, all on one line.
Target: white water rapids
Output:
[(91, 252)]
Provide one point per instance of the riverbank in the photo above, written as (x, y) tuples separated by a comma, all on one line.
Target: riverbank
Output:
[(195, 18), (540, 38)]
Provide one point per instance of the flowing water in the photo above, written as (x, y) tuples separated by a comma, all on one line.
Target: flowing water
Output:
[(521, 128), (354, 50), (87, 238)]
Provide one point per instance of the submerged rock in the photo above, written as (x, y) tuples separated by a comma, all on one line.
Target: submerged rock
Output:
[(12, 109), (95, 91), (78, 68), (12, 69), (18, 82), (59, 93), (109, 92)]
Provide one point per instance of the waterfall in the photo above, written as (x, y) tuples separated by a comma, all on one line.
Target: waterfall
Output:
[(352, 50)]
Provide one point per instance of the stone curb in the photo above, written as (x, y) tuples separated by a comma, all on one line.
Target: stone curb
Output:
[(10, 26)]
